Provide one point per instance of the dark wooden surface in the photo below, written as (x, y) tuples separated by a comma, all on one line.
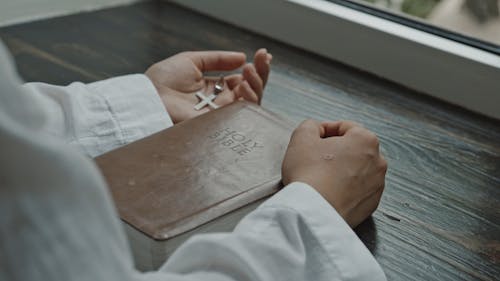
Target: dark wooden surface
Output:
[(439, 218)]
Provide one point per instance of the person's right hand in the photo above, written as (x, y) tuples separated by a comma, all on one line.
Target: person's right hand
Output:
[(178, 78), (341, 160)]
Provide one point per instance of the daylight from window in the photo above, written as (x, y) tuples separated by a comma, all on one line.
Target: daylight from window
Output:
[(475, 18)]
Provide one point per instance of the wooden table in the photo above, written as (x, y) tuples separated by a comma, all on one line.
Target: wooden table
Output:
[(439, 218)]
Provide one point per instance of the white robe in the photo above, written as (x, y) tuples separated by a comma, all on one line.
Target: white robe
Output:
[(57, 220)]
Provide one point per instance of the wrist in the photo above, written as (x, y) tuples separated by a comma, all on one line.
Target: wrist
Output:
[(160, 91), (328, 194)]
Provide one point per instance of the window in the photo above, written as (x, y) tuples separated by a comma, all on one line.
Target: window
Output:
[(472, 22), (451, 66)]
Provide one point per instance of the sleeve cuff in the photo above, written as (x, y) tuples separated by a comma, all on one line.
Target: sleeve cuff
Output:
[(347, 252), (135, 105)]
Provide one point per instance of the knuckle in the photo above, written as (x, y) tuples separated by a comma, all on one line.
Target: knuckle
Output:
[(303, 127), (383, 165), (355, 124), (307, 124), (371, 138), (367, 137), (357, 132), (371, 154)]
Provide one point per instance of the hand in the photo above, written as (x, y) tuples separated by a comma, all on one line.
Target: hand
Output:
[(341, 160), (179, 77)]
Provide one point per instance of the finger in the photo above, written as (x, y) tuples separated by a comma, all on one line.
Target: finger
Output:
[(225, 97), (217, 60), (253, 79), (338, 128), (331, 129), (262, 62), (244, 91), (310, 128), (233, 80)]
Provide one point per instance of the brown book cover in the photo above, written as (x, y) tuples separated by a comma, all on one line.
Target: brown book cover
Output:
[(198, 170)]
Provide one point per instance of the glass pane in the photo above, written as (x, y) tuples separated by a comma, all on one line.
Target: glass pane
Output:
[(475, 18)]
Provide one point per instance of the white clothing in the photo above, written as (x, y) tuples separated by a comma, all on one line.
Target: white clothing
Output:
[(58, 222)]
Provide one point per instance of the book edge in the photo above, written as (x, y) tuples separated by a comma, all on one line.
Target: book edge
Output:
[(253, 194)]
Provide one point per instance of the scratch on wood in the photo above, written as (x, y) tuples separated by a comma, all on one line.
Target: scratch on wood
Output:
[(16, 43), (391, 217)]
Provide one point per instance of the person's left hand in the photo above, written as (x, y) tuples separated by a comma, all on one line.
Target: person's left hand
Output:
[(179, 77)]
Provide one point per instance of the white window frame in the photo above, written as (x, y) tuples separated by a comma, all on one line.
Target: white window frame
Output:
[(451, 71)]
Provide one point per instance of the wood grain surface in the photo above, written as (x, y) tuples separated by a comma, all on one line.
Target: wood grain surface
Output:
[(439, 218)]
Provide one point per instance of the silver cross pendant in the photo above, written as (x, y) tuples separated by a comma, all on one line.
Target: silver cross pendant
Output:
[(204, 100)]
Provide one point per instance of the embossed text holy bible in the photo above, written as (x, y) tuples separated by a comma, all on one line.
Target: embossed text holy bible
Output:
[(202, 175)]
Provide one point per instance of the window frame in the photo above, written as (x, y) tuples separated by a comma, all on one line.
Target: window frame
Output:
[(420, 24), (468, 76)]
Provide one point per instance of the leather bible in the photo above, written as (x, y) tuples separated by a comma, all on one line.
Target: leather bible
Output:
[(201, 175)]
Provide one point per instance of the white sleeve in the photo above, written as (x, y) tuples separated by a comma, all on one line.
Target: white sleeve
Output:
[(295, 235), (101, 116)]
